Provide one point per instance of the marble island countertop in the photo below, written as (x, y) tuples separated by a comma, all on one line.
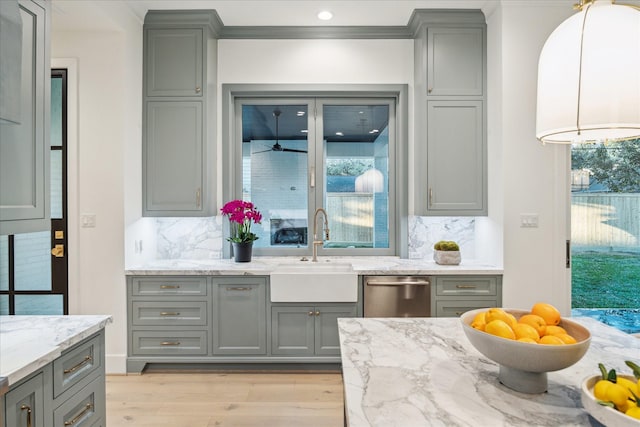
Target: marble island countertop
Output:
[(265, 265), (28, 343), (425, 372)]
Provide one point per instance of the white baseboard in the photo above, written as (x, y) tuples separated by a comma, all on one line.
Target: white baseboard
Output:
[(116, 363)]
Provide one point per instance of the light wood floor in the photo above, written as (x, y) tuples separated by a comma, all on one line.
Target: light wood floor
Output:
[(225, 399)]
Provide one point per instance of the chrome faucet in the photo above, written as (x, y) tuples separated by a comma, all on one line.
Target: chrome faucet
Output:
[(320, 242)]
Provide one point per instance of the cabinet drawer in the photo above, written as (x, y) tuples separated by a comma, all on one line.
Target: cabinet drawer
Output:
[(189, 313), (155, 286), (166, 343), (85, 408), (461, 286), (80, 362), (454, 308)]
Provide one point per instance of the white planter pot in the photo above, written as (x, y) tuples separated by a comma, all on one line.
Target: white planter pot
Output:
[(447, 257)]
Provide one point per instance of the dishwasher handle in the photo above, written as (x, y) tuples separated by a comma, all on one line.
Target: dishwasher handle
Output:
[(391, 283)]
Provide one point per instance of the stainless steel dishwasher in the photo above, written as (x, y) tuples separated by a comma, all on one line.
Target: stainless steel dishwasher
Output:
[(397, 296)]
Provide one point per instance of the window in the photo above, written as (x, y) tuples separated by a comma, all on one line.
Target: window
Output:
[(296, 155)]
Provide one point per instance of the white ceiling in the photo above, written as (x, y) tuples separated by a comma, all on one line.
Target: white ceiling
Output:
[(97, 15)]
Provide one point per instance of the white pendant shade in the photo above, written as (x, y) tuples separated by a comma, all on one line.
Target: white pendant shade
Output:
[(589, 77)]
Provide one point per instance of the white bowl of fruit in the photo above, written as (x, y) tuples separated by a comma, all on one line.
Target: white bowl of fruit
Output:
[(526, 343), (613, 399)]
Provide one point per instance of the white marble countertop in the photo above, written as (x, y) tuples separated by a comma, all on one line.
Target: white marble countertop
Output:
[(28, 343), (424, 372), (265, 265)]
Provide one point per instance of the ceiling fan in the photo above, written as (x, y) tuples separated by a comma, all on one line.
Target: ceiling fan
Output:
[(277, 146)]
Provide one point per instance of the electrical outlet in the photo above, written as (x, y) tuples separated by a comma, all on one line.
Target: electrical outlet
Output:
[(88, 220), (138, 246), (529, 220)]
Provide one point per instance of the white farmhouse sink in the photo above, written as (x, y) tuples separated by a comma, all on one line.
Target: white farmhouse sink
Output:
[(314, 282)]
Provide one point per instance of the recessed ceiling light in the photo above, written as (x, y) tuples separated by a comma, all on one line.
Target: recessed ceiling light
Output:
[(325, 15)]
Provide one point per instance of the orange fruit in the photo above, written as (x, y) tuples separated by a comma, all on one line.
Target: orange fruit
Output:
[(512, 320), (549, 313), (527, 340), (551, 340), (555, 330), (566, 338), (500, 328), (523, 330), (480, 317), (478, 325), (496, 314), (536, 321)]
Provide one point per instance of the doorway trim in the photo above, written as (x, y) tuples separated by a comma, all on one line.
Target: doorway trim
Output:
[(73, 217)]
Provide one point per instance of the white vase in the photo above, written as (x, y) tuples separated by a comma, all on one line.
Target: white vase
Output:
[(446, 257)]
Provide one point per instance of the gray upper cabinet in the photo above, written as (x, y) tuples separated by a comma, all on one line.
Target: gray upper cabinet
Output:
[(456, 177), (174, 60), (450, 96), (173, 143), (455, 61), (179, 155), (24, 146)]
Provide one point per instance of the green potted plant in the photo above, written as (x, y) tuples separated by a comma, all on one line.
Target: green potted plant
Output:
[(446, 252), (241, 216)]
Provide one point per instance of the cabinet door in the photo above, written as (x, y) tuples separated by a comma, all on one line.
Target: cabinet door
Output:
[(25, 404), (173, 159), (456, 158), (292, 330), (327, 340), (24, 147), (239, 316), (174, 62), (455, 61)]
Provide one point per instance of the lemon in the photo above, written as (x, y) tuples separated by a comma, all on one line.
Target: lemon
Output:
[(500, 328)]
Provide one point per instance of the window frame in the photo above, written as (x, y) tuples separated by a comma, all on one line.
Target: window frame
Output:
[(231, 167)]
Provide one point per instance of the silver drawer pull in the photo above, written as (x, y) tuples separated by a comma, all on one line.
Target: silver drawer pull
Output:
[(466, 286), (169, 313), (238, 288), (166, 343), (86, 360), (383, 283), (169, 286), (459, 313), (78, 417)]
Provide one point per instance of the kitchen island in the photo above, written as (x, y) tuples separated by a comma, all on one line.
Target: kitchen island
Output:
[(54, 370), (425, 372)]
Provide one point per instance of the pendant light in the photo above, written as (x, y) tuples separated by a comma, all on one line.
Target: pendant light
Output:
[(589, 76)]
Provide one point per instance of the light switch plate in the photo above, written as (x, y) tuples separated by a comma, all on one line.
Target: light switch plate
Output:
[(529, 220), (88, 220)]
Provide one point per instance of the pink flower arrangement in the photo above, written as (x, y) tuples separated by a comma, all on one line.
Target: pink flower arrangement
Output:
[(241, 215)]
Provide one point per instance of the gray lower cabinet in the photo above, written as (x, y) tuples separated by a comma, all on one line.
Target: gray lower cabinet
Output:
[(168, 317), (239, 312), (453, 295), (310, 330), (24, 145), (225, 320), (70, 391)]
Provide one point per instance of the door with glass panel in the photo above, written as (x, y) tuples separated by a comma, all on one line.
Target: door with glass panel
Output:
[(298, 155), (33, 266)]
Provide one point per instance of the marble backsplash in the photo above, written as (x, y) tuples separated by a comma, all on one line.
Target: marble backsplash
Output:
[(202, 238)]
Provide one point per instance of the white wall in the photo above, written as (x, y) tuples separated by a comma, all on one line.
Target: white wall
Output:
[(525, 177), (108, 140), (534, 177)]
